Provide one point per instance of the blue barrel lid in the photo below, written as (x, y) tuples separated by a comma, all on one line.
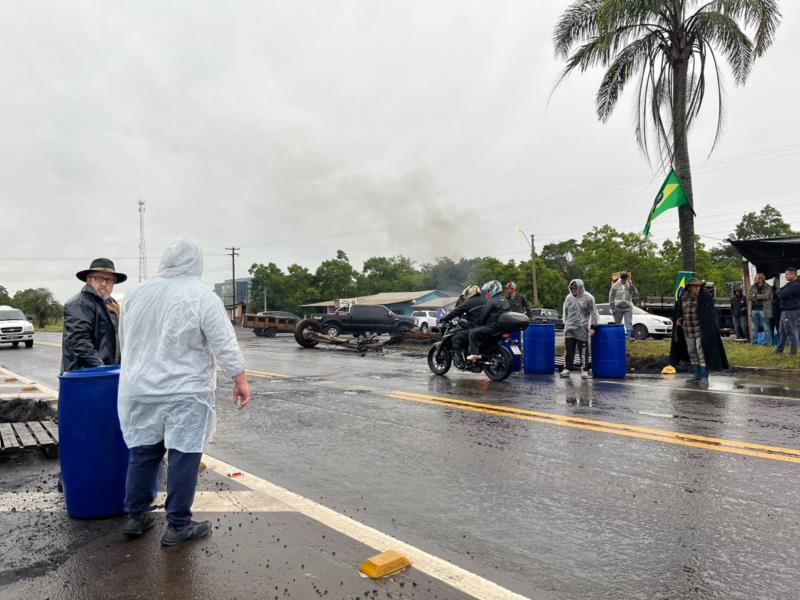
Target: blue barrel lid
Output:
[(104, 371), (610, 325)]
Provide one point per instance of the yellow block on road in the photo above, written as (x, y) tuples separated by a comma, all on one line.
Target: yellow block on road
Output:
[(384, 564)]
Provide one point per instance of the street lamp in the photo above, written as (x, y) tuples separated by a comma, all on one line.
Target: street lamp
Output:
[(533, 263)]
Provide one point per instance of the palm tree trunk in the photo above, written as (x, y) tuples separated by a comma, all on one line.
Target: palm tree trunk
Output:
[(680, 161)]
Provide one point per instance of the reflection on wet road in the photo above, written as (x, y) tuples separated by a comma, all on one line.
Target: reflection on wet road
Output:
[(551, 488)]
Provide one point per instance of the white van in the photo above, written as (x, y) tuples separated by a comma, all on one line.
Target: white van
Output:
[(14, 327)]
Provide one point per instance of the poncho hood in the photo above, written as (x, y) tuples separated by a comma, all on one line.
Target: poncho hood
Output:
[(581, 287), (182, 258)]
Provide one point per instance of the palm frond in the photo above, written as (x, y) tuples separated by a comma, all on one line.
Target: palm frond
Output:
[(627, 61), (761, 14), (578, 23), (721, 30)]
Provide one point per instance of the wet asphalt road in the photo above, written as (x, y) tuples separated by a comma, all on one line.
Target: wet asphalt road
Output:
[(545, 507)]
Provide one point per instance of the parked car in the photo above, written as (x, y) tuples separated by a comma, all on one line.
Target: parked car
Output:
[(424, 319), (644, 323), (270, 323), (546, 315), (15, 328), (361, 318)]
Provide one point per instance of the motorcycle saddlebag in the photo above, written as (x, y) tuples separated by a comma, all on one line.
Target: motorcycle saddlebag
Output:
[(512, 321)]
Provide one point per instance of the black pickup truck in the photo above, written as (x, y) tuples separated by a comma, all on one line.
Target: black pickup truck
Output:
[(355, 320)]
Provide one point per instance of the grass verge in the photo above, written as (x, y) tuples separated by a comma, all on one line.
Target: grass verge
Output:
[(739, 354)]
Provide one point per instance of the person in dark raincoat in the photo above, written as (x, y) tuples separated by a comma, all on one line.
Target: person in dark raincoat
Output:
[(696, 336)]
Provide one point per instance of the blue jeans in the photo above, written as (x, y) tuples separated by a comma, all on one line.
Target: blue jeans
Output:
[(181, 482), (761, 323)]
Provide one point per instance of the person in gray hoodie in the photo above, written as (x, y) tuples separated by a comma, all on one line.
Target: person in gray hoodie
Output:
[(620, 299), (580, 318)]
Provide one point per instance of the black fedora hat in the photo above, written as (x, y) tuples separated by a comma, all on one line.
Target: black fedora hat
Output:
[(101, 265)]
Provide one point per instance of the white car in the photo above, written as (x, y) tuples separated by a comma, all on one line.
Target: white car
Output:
[(424, 319), (14, 327), (644, 323)]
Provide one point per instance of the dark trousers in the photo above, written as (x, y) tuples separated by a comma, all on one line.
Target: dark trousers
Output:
[(788, 330), (460, 340), (570, 344), (181, 482), (740, 327), (477, 336)]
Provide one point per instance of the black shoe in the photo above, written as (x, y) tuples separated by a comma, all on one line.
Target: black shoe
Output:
[(136, 526), (193, 531)]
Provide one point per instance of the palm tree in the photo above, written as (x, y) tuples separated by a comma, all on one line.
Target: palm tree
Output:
[(666, 47)]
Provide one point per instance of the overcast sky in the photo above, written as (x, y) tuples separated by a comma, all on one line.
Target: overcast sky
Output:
[(292, 129)]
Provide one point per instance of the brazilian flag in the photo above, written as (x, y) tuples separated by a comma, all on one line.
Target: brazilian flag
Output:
[(669, 196)]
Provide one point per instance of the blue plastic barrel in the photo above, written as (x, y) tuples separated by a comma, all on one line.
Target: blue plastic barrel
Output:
[(608, 352), (515, 336), (94, 458), (539, 348)]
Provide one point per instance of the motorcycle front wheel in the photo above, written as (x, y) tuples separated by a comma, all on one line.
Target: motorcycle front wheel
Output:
[(439, 359), (499, 363)]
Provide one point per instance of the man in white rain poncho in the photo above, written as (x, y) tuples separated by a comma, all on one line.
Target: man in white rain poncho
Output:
[(172, 329)]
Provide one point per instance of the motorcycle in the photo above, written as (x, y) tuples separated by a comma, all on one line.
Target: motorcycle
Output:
[(497, 353)]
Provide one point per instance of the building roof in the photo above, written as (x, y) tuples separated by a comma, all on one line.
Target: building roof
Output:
[(393, 297), (320, 304), (771, 256), (382, 298), (435, 303)]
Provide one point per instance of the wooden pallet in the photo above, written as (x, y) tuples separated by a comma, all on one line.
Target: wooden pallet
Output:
[(15, 437)]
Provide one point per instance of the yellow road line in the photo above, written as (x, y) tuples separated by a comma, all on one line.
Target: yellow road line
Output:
[(266, 374), (622, 429)]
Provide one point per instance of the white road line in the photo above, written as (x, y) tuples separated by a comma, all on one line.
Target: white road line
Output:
[(454, 576), (49, 394)]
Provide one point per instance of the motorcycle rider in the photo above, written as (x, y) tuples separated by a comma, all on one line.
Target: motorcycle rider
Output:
[(496, 304), (469, 309)]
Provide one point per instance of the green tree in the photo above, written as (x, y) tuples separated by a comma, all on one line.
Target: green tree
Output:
[(551, 283), (754, 225), (561, 257), (766, 223), (38, 303), (665, 47), (268, 290), (446, 274), (336, 278), (390, 274), (4, 297)]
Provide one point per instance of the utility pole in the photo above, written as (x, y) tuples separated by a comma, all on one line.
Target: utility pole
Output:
[(533, 273), (532, 244), (234, 253)]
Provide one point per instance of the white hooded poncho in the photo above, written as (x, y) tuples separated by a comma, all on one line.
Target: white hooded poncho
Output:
[(172, 329)]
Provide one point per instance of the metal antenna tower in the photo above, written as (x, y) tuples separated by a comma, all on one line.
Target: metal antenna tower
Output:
[(142, 247)]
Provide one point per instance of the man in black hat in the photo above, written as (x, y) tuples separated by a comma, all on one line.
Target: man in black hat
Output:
[(697, 338), (91, 319)]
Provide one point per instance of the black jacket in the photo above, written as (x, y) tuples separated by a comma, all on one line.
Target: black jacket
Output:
[(90, 338), (790, 295), (519, 303), (492, 310), (710, 336), (738, 305), (470, 310)]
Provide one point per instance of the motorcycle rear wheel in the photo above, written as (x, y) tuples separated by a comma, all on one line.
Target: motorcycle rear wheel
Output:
[(499, 363), (439, 359)]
